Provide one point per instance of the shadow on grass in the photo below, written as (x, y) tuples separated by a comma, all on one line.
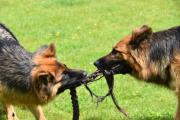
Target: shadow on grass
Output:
[(93, 118), (71, 2), (136, 118), (155, 118)]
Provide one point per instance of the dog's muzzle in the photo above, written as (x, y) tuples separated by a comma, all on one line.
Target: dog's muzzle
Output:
[(113, 67), (72, 79)]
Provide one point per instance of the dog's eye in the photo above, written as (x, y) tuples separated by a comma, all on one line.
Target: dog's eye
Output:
[(113, 51), (116, 54)]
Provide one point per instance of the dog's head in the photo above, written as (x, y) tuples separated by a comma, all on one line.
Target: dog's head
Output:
[(121, 54), (50, 76)]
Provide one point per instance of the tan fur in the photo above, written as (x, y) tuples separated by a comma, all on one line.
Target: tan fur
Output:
[(139, 61), (46, 64)]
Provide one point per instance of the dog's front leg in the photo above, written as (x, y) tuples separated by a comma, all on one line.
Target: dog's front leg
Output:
[(178, 98), (37, 112), (178, 110), (175, 74), (10, 112)]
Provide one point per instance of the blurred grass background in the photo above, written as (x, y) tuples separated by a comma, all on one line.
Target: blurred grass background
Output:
[(84, 30)]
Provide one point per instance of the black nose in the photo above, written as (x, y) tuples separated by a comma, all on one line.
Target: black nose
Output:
[(97, 63)]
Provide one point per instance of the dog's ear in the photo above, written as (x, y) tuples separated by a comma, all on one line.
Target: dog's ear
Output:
[(50, 51), (44, 78), (46, 51), (140, 34), (41, 77), (41, 83)]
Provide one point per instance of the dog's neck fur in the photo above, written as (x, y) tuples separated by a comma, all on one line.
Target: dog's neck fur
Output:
[(162, 46), (16, 61), (16, 65)]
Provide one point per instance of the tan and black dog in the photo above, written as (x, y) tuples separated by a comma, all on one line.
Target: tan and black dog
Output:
[(150, 56), (31, 79)]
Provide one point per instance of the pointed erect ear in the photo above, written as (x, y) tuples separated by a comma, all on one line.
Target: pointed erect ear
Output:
[(52, 48), (46, 51), (140, 34), (50, 51)]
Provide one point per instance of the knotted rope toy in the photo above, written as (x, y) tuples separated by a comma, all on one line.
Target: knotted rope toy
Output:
[(97, 75), (75, 104), (109, 76)]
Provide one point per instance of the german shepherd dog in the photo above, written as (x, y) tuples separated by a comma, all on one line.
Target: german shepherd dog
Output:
[(31, 79), (150, 56)]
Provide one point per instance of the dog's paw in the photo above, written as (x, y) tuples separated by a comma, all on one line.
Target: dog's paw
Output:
[(13, 116)]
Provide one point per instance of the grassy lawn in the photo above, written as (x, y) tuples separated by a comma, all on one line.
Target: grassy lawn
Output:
[(83, 31)]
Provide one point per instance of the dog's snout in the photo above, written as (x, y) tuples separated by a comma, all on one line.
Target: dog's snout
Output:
[(100, 63), (97, 63)]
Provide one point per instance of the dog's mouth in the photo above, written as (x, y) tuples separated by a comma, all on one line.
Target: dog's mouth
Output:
[(71, 79), (113, 67), (117, 68)]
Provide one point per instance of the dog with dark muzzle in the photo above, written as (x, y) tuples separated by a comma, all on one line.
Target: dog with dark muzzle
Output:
[(150, 56), (31, 79)]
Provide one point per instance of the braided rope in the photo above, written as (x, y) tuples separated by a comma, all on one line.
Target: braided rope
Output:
[(75, 104)]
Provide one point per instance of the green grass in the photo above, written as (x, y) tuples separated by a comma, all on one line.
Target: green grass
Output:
[(83, 31)]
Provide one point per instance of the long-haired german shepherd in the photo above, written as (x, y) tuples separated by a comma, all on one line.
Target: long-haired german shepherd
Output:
[(150, 56), (31, 79)]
